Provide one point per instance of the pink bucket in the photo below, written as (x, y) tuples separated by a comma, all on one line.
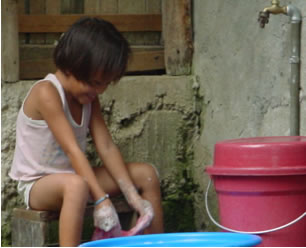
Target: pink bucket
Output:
[(261, 188)]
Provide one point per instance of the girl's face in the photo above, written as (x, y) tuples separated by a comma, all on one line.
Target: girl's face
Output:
[(85, 92)]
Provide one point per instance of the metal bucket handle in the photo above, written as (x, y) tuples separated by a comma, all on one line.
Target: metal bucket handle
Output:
[(236, 231)]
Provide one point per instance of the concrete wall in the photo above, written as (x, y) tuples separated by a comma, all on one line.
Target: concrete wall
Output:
[(243, 73)]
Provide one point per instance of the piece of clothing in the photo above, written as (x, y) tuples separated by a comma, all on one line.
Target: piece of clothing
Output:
[(37, 153), (24, 189)]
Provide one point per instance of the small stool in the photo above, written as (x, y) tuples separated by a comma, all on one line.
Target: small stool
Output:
[(40, 228)]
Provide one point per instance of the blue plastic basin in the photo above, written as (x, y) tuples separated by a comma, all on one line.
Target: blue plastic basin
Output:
[(189, 239)]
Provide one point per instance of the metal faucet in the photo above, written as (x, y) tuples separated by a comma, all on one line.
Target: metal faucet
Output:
[(274, 9)]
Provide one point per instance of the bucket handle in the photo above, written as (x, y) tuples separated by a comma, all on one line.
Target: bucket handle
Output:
[(236, 231)]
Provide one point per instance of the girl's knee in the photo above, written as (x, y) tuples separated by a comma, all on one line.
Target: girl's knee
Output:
[(151, 172), (76, 185), (154, 170), (145, 174)]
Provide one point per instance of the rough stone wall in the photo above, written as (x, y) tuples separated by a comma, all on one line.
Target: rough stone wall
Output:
[(243, 73), (153, 119)]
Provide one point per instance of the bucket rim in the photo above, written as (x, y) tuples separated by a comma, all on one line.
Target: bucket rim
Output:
[(254, 171), (183, 239), (264, 140)]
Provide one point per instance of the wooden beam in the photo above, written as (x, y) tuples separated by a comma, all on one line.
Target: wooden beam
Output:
[(36, 68), (60, 23), (146, 60), (9, 41), (177, 35), (37, 7), (36, 61)]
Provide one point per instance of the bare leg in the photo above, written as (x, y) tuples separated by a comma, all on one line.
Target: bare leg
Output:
[(146, 181), (145, 178), (65, 192)]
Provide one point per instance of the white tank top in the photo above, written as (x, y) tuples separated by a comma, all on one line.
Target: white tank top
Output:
[(37, 153)]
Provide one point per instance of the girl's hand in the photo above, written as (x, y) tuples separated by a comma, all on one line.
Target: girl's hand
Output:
[(106, 218), (142, 223), (145, 209)]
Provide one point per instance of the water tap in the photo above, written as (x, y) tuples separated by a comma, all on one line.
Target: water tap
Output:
[(263, 18), (275, 9)]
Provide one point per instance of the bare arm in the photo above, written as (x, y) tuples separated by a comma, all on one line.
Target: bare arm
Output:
[(115, 165), (107, 150)]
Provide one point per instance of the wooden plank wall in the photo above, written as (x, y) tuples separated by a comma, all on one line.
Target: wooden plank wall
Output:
[(36, 47)]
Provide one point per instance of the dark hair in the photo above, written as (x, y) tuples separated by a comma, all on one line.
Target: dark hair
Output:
[(92, 47)]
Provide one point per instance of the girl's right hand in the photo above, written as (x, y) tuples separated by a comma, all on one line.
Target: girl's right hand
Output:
[(106, 218)]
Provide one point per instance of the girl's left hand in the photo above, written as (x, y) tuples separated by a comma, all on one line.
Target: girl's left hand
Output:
[(145, 209)]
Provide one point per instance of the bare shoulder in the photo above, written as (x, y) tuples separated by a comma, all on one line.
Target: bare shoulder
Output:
[(42, 97), (97, 119), (96, 104), (96, 112), (45, 89), (46, 93)]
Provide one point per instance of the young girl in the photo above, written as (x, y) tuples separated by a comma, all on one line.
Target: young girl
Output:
[(49, 163)]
